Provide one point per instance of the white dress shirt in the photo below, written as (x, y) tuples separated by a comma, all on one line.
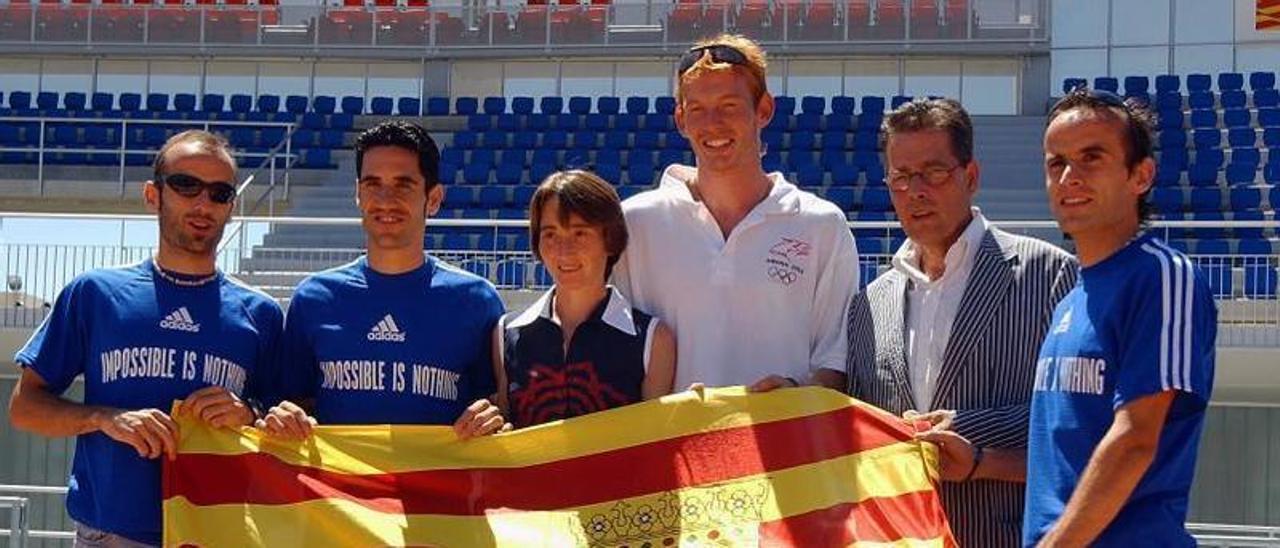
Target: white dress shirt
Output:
[(932, 306)]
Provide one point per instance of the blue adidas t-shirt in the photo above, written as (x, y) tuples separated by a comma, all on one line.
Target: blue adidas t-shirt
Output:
[(372, 348), (142, 342), (1139, 323)]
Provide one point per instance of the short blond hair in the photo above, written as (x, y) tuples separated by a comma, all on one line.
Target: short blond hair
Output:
[(755, 68)]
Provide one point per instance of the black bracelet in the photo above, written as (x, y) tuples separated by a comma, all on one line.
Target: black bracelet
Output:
[(977, 459)]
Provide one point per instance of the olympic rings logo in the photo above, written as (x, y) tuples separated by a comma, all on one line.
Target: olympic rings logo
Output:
[(784, 275)]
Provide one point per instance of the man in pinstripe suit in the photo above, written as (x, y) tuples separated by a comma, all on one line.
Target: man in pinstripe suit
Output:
[(950, 334)]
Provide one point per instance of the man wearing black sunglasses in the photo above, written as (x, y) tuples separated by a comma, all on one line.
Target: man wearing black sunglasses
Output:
[(752, 273), (171, 327)]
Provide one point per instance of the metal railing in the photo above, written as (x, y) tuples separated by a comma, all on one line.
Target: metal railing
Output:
[(467, 25), (1245, 286), (42, 146), (1234, 536)]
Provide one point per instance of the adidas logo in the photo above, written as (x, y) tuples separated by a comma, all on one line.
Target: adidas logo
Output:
[(180, 320), (386, 330)]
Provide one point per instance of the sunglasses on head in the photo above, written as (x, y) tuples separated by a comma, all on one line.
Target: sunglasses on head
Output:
[(720, 53), (190, 187)]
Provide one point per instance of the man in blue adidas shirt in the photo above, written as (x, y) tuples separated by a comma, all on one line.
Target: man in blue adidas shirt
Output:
[(1126, 371), (170, 327), (396, 337)]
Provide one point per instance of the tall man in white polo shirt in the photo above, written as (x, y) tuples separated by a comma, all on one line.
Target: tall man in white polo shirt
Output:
[(953, 330), (753, 274)]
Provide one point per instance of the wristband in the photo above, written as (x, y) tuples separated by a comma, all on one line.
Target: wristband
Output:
[(977, 459)]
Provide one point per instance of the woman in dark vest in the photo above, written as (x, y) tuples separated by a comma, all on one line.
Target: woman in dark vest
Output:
[(580, 348)]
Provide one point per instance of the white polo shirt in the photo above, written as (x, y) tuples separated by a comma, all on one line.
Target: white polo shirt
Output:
[(772, 298)]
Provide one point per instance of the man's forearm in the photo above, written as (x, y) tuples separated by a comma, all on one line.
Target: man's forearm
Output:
[(39, 412), (829, 378)]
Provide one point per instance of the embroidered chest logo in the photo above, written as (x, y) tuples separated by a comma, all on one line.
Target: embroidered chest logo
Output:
[(787, 259), (1064, 324), (386, 330), (180, 320)]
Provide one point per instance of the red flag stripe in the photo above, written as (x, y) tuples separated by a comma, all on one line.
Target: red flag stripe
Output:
[(255, 478), (916, 515)]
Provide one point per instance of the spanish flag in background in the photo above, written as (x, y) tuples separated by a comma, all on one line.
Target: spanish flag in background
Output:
[(720, 467), (1268, 15)]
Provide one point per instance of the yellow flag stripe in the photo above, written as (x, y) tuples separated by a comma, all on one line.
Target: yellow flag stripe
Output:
[(365, 449), (885, 472)]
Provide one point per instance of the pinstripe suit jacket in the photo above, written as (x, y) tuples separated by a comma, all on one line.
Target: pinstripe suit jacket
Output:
[(987, 371)]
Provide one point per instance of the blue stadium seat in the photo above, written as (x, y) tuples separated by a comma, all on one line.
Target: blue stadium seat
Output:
[(184, 102), (899, 100), (1269, 117), (808, 122), (664, 105), (555, 139), (1136, 85), (1262, 80), (1230, 81), (1236, 117), (331, 139), (1169, 102), (1241, 174), (466, 106), (47, 100), (1168, 83), (609, 155), (1167, 200), (596, 122), (1070, 84), (585, 140), (494, 139), (844, 174), (1206, 138), (323, 104), (872, 103), (1246, 156), (617, 140), (382, 106), (1212, 157), (658, 122), (1271, 174), (352, 104), (241, 103), (610, 172), (1205, 200), (1233, 99), (565, 122), (840, 122), (1199, 82), (1202, 175), (522, 105), (812, 104), (870, 121), (101, 102), (524, 140), (637, 105), (1169, 119), (295, 104), (302, 139), (1204, 118), (1266, 98), (20, 100), (508, 122), (66, 136), (784, 105), (476, 173), (646, 140), (1260, 279), (495, 105), (835, 139), (1201, 100), (436, 106), (1172, 138), (493, 196), (268, 103), (74, 101), (479, 122), (641, 173), (1246, 199), (608, 105), (579, 105), (809, 175), (671, 156), (1107, 83), (243, 137), (551, 105), (412, 106), (675, 141), (802, 140), (1241, 137), (829, 159), (875, 199), (342, 121), (843, 105), (129, 102)]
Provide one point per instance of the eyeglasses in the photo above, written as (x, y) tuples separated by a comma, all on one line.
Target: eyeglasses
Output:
[(220, 192), (933, 176), (720, 53)]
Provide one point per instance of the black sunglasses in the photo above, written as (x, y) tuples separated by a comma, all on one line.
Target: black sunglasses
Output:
[(220, 192), (720, 53)]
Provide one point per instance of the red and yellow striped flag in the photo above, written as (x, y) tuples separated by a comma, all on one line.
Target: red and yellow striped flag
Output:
[(1268, 15), (797, 467)]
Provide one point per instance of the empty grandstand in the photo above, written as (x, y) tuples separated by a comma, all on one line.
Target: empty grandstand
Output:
[(513, 91)]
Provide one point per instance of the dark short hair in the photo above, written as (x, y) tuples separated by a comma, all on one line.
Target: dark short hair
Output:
[(408, 136), (211, 142), (586, 195), (932, 114), (1139, 125)]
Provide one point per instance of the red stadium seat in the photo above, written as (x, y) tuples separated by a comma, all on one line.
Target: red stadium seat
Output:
[(924, 19), (889, 20), (820, 24), (754, 20)]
